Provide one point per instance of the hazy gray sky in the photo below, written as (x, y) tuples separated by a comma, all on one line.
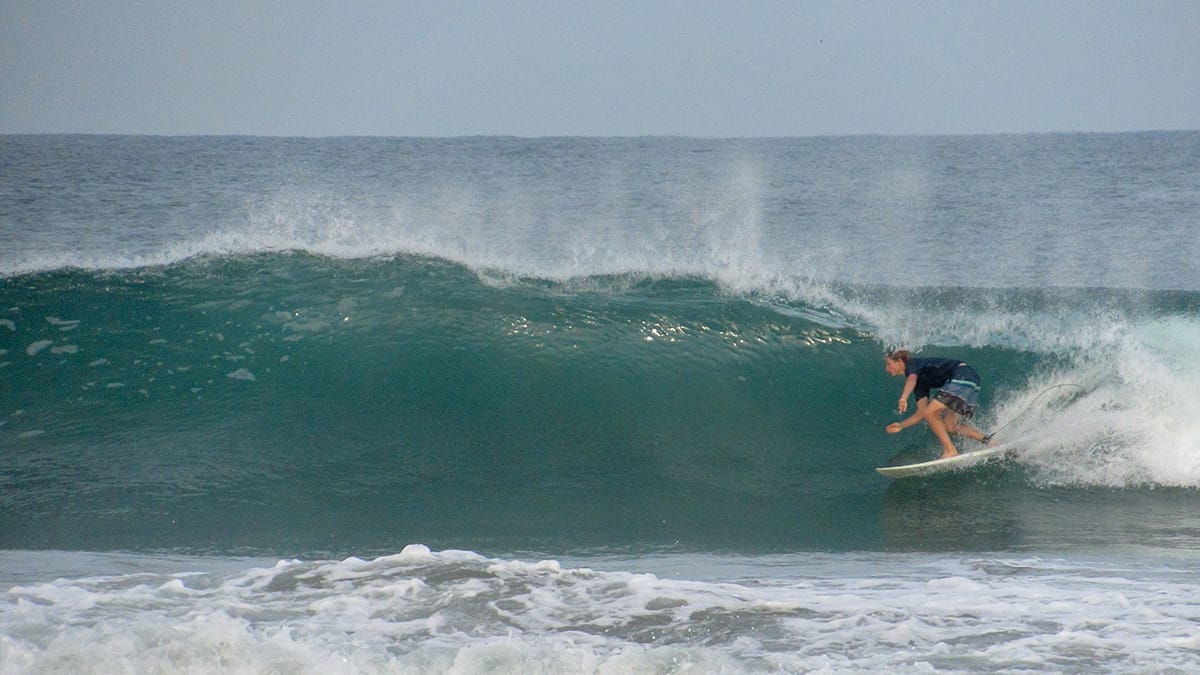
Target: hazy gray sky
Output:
[(561, 67)]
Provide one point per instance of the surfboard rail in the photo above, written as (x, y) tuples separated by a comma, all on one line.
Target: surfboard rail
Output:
[(960, 462)]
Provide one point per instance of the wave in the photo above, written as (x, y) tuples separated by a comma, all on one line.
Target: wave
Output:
[(515, 228), (316, 389), (1025, 210)]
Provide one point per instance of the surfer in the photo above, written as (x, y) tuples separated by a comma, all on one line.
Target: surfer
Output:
[(958, 395)]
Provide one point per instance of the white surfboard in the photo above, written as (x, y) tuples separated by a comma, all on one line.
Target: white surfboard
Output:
[(963, 460)]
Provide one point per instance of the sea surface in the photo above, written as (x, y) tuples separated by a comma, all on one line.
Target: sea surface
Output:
[(586, 405)]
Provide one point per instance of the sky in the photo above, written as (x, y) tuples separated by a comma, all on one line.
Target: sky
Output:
[(590, 68)]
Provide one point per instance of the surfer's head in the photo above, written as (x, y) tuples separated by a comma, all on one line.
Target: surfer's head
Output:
[(896, 361)]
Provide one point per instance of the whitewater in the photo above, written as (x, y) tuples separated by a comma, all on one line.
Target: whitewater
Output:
[(594, 405)]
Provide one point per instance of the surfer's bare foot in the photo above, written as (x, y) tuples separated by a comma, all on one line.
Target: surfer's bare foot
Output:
[(949, 453)]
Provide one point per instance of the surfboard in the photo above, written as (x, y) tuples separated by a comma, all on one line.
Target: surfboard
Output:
[(959, 462)]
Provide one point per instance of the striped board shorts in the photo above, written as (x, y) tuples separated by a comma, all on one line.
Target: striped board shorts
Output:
[(961, 393)]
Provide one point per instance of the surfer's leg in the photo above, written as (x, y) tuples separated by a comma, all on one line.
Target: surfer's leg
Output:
[(933, 416), (959, 409), (955, 425)]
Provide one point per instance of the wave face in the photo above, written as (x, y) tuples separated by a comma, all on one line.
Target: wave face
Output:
[(296, 400), (347, 345)]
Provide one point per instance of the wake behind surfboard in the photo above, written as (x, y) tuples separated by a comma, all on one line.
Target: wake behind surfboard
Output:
[(959, 462)]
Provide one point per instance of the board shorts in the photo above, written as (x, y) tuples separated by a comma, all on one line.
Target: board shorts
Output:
[(961, 393)]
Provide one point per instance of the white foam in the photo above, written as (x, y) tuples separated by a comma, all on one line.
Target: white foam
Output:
[(63, 324), (457, 611), (241, 374), (35, 347), (1137, 420)]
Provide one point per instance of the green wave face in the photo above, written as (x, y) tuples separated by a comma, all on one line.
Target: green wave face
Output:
[(291, 402)]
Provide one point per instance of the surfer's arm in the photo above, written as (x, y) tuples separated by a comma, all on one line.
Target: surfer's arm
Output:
[(915, 418), (910, 383)]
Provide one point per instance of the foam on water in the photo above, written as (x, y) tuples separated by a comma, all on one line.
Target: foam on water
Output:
[(1136, 420), (456, 611)]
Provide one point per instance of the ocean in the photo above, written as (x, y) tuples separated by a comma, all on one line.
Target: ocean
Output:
[(594, 405)]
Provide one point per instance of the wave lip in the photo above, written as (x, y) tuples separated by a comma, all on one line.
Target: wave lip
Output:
[(1017, 209)]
